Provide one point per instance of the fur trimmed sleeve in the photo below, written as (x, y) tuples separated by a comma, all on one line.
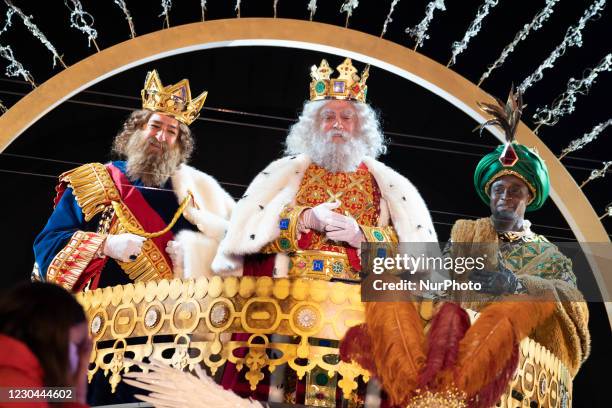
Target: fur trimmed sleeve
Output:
[(212, 207), (255, 220), (566, 333)]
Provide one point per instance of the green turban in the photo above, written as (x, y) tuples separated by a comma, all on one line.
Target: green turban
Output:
[(530, 168)]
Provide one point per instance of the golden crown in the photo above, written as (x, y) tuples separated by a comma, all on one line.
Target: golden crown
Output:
[(347, 86), (174, 100)]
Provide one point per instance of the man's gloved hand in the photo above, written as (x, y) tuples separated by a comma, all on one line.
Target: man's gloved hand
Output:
[(345, 229), (317, 218), (123, 247), (501, 282), (175, 250)]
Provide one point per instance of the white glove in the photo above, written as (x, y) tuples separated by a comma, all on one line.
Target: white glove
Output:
[(317, 218), (343, 228), (123, 247), (175, 250)]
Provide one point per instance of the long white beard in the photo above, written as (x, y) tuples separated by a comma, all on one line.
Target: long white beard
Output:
[(336, 157)]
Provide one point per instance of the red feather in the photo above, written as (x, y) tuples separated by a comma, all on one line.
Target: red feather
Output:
[(490, 393), (356, 346), (447, 329)]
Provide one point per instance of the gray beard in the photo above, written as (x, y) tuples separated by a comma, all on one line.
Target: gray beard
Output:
[(153, 169), (336, 158)]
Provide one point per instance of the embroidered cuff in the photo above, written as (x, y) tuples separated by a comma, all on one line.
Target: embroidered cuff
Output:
[(385, 240), (72, 260), (520, 287), (287, 241), (379, 234)]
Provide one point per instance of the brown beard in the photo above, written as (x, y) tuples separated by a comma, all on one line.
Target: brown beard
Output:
[(152, 167)]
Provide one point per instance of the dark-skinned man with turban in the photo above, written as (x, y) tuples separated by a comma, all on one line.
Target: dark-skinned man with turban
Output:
[(521, 265)]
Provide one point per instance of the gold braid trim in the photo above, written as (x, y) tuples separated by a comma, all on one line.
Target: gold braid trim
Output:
[(288, 223), (141, 232), (151, 263), (508, 172), (71, 261), (93, 188)]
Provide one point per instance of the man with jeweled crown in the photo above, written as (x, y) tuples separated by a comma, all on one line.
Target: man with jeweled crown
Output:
[(307, 214), (134, 220), (314, 207)]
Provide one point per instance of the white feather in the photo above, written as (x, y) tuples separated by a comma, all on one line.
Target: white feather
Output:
[(172, 388)]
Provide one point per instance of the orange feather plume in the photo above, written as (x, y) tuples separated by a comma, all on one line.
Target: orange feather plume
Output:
[(483, 352), (488, 345), (398, 347)]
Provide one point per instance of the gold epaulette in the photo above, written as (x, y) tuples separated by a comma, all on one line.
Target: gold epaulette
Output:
[(92, 187)]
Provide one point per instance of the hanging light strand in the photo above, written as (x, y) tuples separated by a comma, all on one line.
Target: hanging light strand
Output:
[(9, 21), (348, 7), (564, 104), (573, 38), (534, 25), (82, 21), (312, 7), (608, 212), (586, 139), (15, 69), (419, 32), (388, 20), (203, 8), (595, 174), (128, 16), (27, 21), (460, 46), (166, 7)]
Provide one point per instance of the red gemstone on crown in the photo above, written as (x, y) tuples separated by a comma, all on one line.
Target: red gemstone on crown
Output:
[(508, 157), (356, 89)]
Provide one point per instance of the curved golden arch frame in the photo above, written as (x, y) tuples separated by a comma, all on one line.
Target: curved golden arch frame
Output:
[(384, 54)]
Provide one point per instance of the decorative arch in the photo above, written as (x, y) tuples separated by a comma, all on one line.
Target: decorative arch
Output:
[(384, 54)]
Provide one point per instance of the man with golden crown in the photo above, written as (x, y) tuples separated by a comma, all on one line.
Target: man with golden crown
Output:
[(307, 214), (134, 220), (312, 209)]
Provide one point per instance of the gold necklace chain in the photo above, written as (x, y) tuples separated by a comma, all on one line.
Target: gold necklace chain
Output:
[(139, 231)]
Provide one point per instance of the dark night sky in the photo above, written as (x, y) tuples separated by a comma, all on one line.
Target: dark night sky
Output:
[(431, 141)]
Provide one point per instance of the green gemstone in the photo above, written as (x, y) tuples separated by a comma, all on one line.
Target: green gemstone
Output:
[(284, 243), (378, 235), (320, 87), (322, 379)]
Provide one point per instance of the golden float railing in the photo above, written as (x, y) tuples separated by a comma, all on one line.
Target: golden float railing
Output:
[(199, 316)]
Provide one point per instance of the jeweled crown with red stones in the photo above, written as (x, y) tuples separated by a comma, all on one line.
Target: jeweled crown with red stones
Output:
[(174, 100), (347, 86)]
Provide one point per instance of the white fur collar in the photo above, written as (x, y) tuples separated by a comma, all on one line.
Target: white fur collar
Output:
[(255, 219)]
